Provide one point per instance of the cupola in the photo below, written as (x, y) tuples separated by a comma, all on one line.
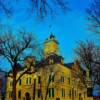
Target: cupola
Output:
[(51, 46)]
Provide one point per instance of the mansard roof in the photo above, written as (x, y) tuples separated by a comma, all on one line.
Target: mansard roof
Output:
[(69, 65)]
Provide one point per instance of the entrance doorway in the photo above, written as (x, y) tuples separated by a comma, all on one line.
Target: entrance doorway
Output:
[(57, 98), (27, 96)]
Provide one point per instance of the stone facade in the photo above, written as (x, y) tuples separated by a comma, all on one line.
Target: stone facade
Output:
[(54, 80)]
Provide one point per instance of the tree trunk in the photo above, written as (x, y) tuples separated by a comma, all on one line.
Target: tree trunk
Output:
[(46, 93), (41, 90), (14, 88), (47, 89), (34, 89), (14, 83)]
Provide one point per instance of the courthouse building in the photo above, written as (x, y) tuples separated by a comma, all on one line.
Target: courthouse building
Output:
[(54, 80)]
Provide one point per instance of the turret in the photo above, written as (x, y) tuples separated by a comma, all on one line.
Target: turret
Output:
[(51, 46)]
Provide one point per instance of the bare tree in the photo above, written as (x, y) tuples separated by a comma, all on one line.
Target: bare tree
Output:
[(47, 75), (96, 65), (88, 55), (94, 26), (14, 48), (94, 16), (41, 8), (5, 7), (46, 7)]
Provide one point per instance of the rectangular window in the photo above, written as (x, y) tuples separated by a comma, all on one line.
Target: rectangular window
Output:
[(20, 82), (27, 81), (39, 79), (62, 78), (51, 78), (30, 81), (19, 94), (63, 92), (39, 93), (51, 92)]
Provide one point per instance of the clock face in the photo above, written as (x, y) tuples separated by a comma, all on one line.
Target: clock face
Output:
[(53, 48), (50, 48)]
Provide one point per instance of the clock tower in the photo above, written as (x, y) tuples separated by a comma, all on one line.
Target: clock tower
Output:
[(50, 46)]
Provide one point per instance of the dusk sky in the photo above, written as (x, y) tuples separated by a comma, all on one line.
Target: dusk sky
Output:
[(68, 27)]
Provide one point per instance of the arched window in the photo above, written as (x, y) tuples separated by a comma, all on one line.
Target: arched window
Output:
[(27, 96)]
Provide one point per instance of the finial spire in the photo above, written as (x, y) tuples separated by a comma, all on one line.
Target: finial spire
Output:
[(52, 36)]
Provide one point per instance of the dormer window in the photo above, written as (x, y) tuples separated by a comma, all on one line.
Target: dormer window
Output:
[(51, 61)]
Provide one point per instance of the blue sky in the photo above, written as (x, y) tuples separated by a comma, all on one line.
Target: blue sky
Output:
[(67, 27)]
